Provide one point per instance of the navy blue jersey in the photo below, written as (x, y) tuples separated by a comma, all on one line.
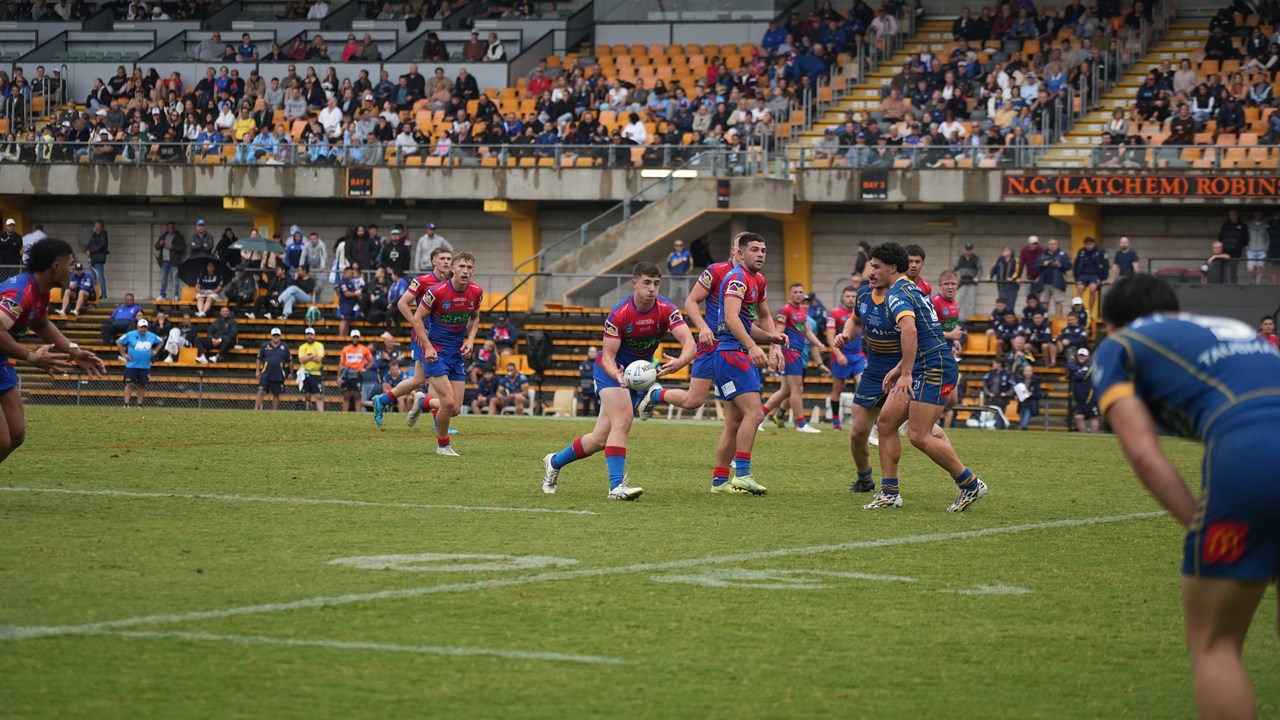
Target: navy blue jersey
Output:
[(1201, 376), (906, 297), (879, 329)]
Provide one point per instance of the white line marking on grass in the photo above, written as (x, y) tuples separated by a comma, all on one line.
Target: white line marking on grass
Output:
[(290, 500), (770, 579), (991, 590), (18, 632), (447, 562), (384, 647)]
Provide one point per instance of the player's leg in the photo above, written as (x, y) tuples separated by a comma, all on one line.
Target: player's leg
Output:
[(442, 389), (581, 447), (13, 421), (726, 446), (892, 414), (796, 385), (1218, 613), (861, 420), (738, 383), (752, 410), (837, 387), (769, 411), (690, 399), (458, 382), (412, 387)]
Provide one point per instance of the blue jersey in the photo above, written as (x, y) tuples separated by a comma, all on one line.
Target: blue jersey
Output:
[(639, 332), (513, 385), (879, 330), (748, 287), (355, 284), (138, 346), (82, 282), (904, 298), (1202, 377)]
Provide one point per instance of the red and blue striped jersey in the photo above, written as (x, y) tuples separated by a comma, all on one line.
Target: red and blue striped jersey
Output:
[(450, 310), (710, 280), (835, 323), (23, 303), (640, 332), (420, 286), (748, 287), (793, 321)]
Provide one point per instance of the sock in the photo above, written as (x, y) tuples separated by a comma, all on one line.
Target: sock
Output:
[(574, 451), (864, 474), (800, 421), (424, 404), (615, 457), (660, 397), (835, 421), (389, 399), (741, 463), (719, 476), (442, 441), (966, 480), (767, 413), (889, 486)]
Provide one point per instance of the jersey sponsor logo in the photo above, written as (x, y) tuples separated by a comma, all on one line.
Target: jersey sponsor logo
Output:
[(142, 345), (610, 329), (446, 304), (453, 318), (736, 288), (11, 307), (1224, 542), (629, 329), (675, 318)]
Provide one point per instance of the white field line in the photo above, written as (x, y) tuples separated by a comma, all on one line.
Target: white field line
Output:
[(290, 500), (381, 647), (20, 632)]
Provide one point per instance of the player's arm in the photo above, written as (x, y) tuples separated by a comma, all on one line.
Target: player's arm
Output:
[(416, 325), (56, 341), (852, 329), (424, 309), (733, 321), (473, 325), (1136, 430), (693, 311), (908, 340), (836, 356), (688, 349), (609, 358)]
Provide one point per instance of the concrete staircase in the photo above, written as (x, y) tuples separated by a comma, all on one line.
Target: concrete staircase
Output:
[(1185, 38), (865, 97)]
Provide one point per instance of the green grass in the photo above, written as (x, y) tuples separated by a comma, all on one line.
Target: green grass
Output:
[(1097, 635)]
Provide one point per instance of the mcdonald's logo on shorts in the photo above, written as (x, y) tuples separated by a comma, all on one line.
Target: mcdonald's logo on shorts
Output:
[(1224, 542)]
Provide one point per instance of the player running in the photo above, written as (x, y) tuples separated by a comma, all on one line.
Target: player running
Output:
[(441, 260), (1212, 379), (454, 309), (24, 307), (631, 332), (794, 319), (918, 385), (848, 362)]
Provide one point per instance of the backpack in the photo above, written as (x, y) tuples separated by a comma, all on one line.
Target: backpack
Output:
[(314, 316)]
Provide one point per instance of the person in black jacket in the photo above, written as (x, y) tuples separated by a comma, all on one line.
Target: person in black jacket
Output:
[(268, 301), (1234, 235), (359, 248), (98, 248), (10, 250)]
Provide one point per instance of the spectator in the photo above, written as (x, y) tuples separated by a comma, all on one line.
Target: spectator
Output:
[(1073, 337), (680, 261), (1033, 305), (1080, 374), (356, 360), (202, 242), (495, 52), (390, 378), (1028, 393), (273, 365), (1005, 274), (996, 385), (1040, 338), (1267, 330), (350, 293), (137, 348), (1029, 265), (486, 358), (184, 335), (208, 288), (268, 301), (1090, 269), (1078, 309), (1234, 236), (10, 249), (486, 392), (319, 11), (968, 268), (171, 250), (860, 260), (1054, 264), (473, 50), (311, 354), (241, 290), (513, 390), (79, 290), (1217, 268), (98, 248), (220, 339), (587, 400), (360, 248), (1126, 260), (123, 319), (504, 335), (315, 257), (427, 243), (210, 50), (397, 252), (1259, 242), (386, 353), (30, 239), (376, 306)]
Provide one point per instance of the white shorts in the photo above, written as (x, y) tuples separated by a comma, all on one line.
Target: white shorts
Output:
[(1053, 295), (1255, 258)]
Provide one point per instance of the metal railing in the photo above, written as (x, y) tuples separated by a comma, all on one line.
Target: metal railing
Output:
[(962, 155), (1216, 271)]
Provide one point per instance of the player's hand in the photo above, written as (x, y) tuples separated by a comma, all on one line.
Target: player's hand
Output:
[(620, 374), (90, 363), (903, 385), (668, 366), (429, 352), (780, 339), (758, 358), (840, 340), (826, 371), (890, 378), (706, 336), (466, 348), (841, 360), (49, 361)]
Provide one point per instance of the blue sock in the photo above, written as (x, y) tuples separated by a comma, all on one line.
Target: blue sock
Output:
[(889, 486), (864, 475), (616, 460), (741, 464), (573, 452), (965, 479)]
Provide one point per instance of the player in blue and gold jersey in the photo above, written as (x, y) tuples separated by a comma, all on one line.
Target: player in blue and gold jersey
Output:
[(1213, 380)]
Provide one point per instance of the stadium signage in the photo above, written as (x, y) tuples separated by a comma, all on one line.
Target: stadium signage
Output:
[(1129, 186), (360, 182), (875, 184)]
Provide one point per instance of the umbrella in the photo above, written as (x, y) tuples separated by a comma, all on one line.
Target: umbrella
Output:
[(257, 244), (193, 267)]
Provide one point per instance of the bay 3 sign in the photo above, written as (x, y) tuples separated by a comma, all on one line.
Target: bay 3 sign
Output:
[(1136, 186)]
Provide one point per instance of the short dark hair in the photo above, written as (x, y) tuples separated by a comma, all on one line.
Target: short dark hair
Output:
[(849, 288), (746, 238), (793, 286), (46, 252), (1137, 296), (916, 250), (1266, 318), (891, 253), (646, 269)]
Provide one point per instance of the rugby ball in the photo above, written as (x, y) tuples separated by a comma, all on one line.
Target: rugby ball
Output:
[(641, 374)]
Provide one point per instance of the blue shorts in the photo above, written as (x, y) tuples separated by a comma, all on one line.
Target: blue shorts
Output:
[(313, 385), (349, 312), (137, 376), (448, 363), (1239, 534), (1087, 280), (603, 381), (275, 387), (870, 390), (795, 362), (417, 351), (704, 366), (934, 377), (856, 365), (734, 374), (8, 377)]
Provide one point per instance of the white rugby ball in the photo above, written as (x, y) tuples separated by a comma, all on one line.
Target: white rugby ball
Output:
[(641, 374)]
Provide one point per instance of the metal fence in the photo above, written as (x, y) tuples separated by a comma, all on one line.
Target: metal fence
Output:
[(1217, 271)]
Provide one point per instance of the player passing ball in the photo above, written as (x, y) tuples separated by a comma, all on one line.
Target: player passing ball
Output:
[(632, 332), (24, 308)]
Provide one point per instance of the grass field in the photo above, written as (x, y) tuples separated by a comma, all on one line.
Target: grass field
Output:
[(146, 573)]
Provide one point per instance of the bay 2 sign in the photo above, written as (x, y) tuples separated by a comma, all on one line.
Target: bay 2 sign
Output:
[(1141, 186)]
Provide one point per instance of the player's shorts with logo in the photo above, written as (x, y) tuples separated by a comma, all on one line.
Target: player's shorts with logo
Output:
[(8, 377), (857, 364), (870, 390), (934, 377), (734, 374), (137, 376), (795, 363), (1238, 535), (604, 381), (448, 363), (704, 364)]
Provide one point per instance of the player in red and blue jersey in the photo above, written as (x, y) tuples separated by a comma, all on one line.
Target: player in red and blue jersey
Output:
[(441, 260), (1213, 380), (948, 312), (454, 309), (848, 362), (915, 266), (632, 332), (793, 318), (24, 308)]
